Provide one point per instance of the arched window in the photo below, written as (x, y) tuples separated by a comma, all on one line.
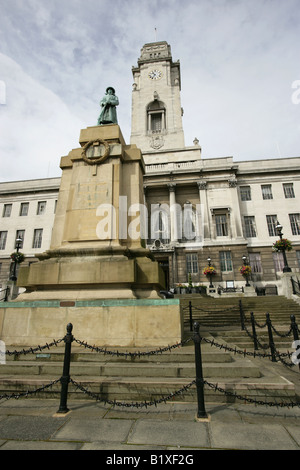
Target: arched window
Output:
[(156, 117)]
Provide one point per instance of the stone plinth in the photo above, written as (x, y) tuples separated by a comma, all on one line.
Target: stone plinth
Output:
[(97, 274), (97, 248), (128, 323)]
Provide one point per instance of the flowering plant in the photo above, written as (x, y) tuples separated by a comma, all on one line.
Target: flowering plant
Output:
[(17, 257), (245, 270), (209, 270), (282, 244)]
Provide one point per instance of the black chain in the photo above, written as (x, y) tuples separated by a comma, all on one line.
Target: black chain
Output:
[(28, 392)]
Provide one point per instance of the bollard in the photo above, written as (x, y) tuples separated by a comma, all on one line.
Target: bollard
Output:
[(65, 378), (254, 332), (191, 315), (201, 413), (241, 315), (294, 328), (271, 341)]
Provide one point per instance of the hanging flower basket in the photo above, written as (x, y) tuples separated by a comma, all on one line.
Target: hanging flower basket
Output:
[(209, 271), (282, 245), (245, 270), (17, 257)]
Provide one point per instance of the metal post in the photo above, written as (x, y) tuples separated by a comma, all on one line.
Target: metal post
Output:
[(241, 315), (191, 315), (65, 378), (254, 331), (201, 413), (271, 341), (294, 328)]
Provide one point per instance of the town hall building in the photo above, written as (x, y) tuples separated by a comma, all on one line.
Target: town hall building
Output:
[(217, 211)]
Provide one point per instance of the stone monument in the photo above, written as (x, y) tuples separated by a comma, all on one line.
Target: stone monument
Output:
[(97, 274)]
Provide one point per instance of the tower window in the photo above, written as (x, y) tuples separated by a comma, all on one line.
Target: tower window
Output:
[(156, 117)]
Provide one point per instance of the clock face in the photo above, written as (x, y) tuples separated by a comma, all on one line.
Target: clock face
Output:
[(155, 74)]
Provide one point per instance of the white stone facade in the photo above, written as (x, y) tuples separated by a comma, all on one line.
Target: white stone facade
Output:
[(233, 206)]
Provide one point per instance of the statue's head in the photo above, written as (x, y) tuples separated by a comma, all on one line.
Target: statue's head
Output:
[(110, 90)]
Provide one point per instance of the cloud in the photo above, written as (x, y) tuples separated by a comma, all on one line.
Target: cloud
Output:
[(238, 62), (36, 127)]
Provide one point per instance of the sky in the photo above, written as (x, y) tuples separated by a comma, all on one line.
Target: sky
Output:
[(240, 74)]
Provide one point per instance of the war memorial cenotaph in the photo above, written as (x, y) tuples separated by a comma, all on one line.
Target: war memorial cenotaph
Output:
[(97, 274)]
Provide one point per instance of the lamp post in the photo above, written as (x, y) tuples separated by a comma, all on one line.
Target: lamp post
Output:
[(246, 275), (210, 276), (13, 276), (286, 268)]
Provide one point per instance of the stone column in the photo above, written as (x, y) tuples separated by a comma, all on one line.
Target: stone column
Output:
[(173, 213), (235, 217), (205, 225)]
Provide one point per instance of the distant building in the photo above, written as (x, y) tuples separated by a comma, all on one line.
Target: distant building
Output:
[(198, 208)]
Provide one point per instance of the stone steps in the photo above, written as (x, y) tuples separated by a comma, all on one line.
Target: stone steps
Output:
[(145, 378)]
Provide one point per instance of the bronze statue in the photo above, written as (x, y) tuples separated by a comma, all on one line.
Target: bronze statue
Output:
[(108, 104)]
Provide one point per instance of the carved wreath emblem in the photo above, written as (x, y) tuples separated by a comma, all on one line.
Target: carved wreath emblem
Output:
[(93, 160)]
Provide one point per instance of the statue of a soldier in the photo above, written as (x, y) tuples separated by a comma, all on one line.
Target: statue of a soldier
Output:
[(108, 104)]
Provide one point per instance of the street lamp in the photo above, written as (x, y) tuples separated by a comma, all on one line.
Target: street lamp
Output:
[(246, 275), (210, 275), (13, 276), (286, 268)]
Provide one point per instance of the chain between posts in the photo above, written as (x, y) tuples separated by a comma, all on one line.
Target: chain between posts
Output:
[(65, 380)]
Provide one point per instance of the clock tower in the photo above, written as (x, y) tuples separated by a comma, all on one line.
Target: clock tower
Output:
[(156, 122)]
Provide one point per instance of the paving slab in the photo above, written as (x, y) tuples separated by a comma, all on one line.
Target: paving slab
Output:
[(251, 437), (170, 433), (29, 427), (94, 429)]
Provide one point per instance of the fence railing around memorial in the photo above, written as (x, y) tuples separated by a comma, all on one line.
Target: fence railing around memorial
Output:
[(199, 381)]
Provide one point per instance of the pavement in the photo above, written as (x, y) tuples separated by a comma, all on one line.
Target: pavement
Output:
[(148, 435)]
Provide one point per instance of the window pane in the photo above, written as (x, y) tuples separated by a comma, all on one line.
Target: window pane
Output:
[(192, 263), (7, 210), (24, 208), (295, 223), (3, 238), (278, 261), (221, 225), (250, 228), (266, 191), (245, 193), (272, 222), (37, 238), (156, 121), (288, 189), (225, 261), (41, 207), (255, 262), (20, 234)]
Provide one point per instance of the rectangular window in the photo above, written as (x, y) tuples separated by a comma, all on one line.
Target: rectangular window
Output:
[(41, 208), (225, 261), (20, 234), (295, 223), (278, 261), (37, 238), (245, 192), (24, 208), (250, 228), (288, 189), (192, 263), (255, 262), (3, 238), (7, 210), (221, 225), (156, 122), (266, 190), (272, 222)]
